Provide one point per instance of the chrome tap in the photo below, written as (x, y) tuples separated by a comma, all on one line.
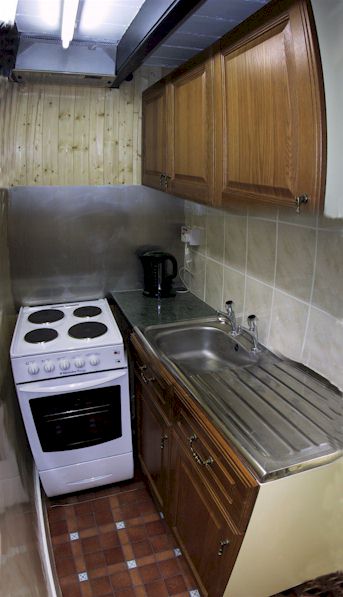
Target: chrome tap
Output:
[(252, 331), (230, 317)]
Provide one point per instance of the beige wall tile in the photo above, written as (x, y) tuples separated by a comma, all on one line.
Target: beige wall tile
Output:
[(215, 234), (197, 282), (234, 283), (214, 284), (288, 325), (328, 284), (258, 301), (324, 346), (290, 216), (235, 241), (295, 260), (261, 249)]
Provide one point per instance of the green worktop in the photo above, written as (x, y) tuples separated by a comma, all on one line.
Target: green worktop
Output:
[(142, 311)]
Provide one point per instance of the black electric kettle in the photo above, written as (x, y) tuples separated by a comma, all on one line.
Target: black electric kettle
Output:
[(160, 269)]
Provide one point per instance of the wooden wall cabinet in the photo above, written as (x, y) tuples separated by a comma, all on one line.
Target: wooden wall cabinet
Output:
[(269, 126), (205, 491), (261, 89), (178, 133), (154, 135)]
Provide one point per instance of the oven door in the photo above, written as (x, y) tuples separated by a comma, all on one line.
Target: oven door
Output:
[(75, 419)]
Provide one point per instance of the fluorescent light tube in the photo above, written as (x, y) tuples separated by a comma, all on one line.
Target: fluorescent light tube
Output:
[(8, 9), (68, 21)]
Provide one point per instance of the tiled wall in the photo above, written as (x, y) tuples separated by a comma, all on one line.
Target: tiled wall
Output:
[(285, 268)]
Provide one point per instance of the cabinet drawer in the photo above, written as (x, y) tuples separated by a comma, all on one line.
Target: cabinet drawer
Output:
[(230, 485), (152, 377)]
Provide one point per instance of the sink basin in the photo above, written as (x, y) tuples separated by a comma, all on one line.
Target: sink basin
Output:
[(204, 346)]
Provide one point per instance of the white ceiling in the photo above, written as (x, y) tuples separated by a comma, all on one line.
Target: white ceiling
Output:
[(97, 20)]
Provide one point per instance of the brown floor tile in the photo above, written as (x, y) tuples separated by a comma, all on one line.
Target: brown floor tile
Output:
[(114, 501), (76, 548), (86, 589), (104, 517), (128, 497), (63, 550), (156, 589), (109, 540), (58, 539), (142, 548), (70, 586), (98, 572), (137, 533), (85, 521), (114, 556), (90, 544), (130, 511), (162, 542), (115, 568), (149, 573), (126, 593), (91, 532), (83, 509), (121, 580), (164, 555), (57, 513), (128, 552), (59, 527), (65, 566), (123, 536), (146, 560), (135, 577), (101, 586), (140, 592), (158, 527), (80, 564), (175, 584), (169, 568), (146, 507), (101, 504), (94, 560)]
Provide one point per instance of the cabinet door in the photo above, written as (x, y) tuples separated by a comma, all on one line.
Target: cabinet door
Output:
[(154, 136), (190, 132), (153, 443), (209, 543), (269, 107)]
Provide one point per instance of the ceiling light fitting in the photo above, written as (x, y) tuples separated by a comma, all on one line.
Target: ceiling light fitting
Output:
[(68, 21), (8, 11)]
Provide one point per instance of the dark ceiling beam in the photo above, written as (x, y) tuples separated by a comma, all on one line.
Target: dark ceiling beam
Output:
[(155, 20)]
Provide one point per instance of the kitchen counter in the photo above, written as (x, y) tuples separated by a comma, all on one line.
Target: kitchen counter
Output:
[(280, 416), (142, 311)]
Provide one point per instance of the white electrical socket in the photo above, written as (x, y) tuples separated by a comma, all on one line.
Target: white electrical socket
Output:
[(191, 235)]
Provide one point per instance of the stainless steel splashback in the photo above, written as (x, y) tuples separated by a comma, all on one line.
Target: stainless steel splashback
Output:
[(78, 243)]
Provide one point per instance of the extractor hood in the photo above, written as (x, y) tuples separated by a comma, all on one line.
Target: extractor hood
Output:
[(44, 60)]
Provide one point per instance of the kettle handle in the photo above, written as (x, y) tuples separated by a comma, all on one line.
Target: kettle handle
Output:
[(174, 264)]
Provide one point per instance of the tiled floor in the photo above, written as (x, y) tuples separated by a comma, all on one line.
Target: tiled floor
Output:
[(114, 542)]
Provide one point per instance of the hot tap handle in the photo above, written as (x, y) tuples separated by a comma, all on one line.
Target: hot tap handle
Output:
[(229, 306), (252, 319)]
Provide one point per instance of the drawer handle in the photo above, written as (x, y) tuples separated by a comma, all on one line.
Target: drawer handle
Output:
[(147, 379), (141, 367), (195, 454), (163, 441), (222, 545)]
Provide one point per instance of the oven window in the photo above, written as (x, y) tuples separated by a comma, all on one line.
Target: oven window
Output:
[(77, 420)]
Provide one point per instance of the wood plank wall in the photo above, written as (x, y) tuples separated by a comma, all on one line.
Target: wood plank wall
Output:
[(64, 135)]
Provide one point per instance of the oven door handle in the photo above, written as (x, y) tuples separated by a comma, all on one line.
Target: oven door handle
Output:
[(37, 388)]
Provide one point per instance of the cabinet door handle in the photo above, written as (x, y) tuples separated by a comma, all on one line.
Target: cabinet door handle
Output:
[(301, 200), (162, 181), (147, 379), (195, 454), (222, 545), (142, 367), (163, 441), (166, 180)]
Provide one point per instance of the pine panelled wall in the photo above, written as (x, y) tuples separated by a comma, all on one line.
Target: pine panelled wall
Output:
[(65, 135)]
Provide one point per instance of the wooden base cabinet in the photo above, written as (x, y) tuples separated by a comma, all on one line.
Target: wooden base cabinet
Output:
[(198, 481), (204, 533)]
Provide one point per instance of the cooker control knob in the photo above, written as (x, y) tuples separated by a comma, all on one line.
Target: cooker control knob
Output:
[(49, 366), (64, 364), (33, 368), (94, 360), (79, 362)]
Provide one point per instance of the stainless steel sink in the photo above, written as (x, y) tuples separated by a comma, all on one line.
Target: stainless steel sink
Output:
[(201, 346)]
